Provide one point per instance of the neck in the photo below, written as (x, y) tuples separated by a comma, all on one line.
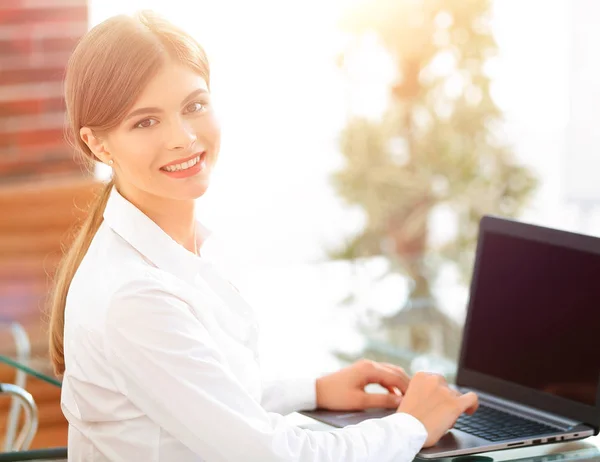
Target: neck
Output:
[(177, 218)]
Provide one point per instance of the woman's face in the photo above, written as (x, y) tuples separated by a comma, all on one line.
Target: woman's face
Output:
[(168, 143)]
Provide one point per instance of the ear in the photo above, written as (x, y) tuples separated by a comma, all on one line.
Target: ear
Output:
[(95, 144)]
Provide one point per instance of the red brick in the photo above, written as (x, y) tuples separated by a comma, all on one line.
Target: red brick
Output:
[(37, 137), (24, 139), (33, 122), (20, 172), (50, 154), (18, 46), (37, 15), (54, 104), (27, 91), (36, 40), (11, 4), (28, 4), (31, 43), (32, 106), (7, 140), (11, 108), (8, 154), (9, 77), (51, 44)]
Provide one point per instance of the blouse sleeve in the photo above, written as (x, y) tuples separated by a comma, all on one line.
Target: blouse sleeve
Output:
[(289, 395)]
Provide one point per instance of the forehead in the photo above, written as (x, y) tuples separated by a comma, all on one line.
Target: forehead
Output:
[(170, 85)]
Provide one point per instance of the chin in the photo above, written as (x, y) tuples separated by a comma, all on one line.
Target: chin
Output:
[(193, 191)]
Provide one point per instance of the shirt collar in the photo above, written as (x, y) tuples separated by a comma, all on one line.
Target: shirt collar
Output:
[(150, 240)]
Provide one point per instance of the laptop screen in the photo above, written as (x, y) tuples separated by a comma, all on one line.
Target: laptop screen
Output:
[(535, 317)]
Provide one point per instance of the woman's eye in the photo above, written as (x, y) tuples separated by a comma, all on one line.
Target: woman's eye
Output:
[(146, 123), (195, 107)]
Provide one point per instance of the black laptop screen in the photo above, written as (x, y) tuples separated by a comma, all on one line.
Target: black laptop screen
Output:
[(535, 317)]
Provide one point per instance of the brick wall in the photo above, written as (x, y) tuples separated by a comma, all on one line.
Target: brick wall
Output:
[(36, 38)]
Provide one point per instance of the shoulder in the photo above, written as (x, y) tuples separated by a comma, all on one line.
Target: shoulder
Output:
[(112, 265), (147, 293), (113, 274)]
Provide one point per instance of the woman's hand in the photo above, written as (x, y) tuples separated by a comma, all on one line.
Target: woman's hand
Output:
[(344, 390), (437, 406)]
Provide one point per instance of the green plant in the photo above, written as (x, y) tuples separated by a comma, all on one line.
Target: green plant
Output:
[(438, 143)]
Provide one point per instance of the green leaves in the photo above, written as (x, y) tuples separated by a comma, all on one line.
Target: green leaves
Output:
[(438, 143)]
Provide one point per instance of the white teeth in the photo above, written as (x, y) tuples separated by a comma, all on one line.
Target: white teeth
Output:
[(182, 166)]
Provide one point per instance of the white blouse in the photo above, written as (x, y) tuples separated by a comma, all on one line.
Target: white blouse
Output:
[(161, 364)]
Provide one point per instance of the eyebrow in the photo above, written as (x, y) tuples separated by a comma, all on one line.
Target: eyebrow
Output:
[(147, 110)]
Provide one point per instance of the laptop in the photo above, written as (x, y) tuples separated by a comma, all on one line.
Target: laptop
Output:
[(531, 343)]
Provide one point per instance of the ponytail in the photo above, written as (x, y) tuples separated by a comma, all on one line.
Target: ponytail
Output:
[(64, 275)]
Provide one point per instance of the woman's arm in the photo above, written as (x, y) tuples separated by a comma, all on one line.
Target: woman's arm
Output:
[(289, 395), (169, 366)]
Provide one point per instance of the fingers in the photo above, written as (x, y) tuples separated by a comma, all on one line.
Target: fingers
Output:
[(470, 399), (468, 402), (435, 404), (386, 375), (394, 391), (394, 367), (380, 400)]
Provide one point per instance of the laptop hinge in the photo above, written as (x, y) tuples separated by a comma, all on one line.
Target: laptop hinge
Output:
[(523, 410)]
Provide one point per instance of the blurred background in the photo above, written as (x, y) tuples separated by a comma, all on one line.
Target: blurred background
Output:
[(362, 142)]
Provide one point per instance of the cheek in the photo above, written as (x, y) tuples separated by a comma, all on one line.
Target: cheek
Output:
[(209, 130), (138, 151)]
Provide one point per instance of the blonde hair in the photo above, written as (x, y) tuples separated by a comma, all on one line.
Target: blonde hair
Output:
[(107, 71)]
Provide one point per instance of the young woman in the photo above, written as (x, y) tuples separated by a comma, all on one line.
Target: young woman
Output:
[(156, 349)]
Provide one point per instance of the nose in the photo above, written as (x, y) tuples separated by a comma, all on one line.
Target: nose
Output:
[(181, 135)]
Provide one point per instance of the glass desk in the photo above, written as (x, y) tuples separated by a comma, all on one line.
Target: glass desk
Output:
[(584, 450), (19, 364), (36, 366)]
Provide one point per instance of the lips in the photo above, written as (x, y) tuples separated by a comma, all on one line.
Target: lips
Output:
[(185, 159)]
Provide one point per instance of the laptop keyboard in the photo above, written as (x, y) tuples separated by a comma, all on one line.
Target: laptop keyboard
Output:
[(494, 425)]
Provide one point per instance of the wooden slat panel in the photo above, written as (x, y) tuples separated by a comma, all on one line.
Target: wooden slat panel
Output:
[(30, 243), (29, 267), (48, 191), (35, 220)]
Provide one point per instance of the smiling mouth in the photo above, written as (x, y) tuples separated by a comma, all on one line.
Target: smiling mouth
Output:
[(184, 165)]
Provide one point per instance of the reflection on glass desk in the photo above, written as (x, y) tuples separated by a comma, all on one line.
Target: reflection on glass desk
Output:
[(17, 351), (36, 366)]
